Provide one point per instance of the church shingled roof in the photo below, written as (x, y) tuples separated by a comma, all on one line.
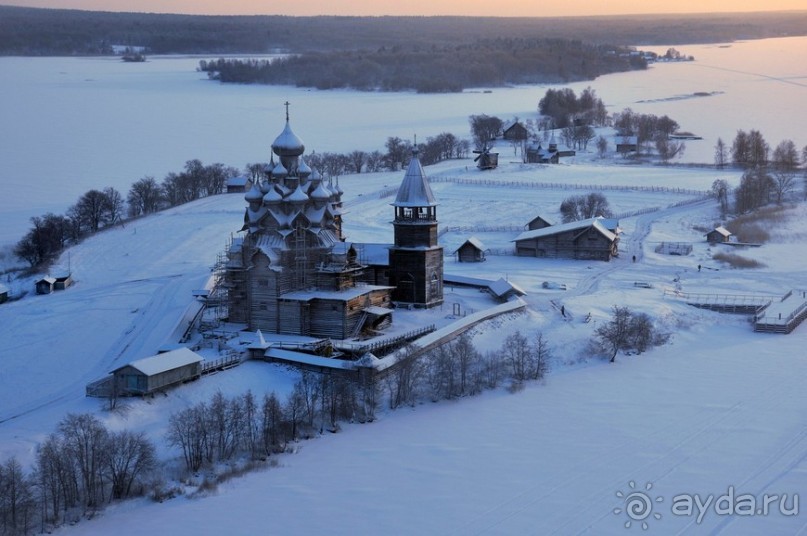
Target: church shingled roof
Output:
[(415, 190)]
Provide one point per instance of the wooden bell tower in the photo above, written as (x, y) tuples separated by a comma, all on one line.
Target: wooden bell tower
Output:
[(416, 261)]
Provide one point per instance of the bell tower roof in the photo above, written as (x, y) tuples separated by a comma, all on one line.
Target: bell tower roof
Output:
[(415, 190)]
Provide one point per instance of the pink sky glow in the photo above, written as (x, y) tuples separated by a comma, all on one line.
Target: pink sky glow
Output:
[(504, 8)]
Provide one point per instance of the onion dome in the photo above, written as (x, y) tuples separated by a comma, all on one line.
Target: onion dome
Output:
[(320, 193), (303, 169), (287, 143), (272, 197), (254, 195), (297, 196), (265, 187), (280, 170)]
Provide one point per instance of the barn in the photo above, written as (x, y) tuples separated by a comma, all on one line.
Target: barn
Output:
[(145, 376), (539, 222), (585, 239), (472, 250), (627, 144)]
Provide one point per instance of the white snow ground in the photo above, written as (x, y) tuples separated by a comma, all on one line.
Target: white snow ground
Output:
[(721, 406)]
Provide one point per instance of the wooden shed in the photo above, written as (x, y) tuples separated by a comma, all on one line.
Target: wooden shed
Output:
[(718, 235), (627, 144), (472, 250), (45, 285), (585, 239), (145, 376), (62, 281), (3, 294)]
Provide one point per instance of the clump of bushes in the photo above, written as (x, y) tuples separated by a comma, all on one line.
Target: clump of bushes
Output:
[(737, 261)]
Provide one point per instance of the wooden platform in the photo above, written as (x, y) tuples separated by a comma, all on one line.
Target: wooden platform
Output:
[(783, 316)]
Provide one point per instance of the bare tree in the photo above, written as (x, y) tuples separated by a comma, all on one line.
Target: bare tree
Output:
[(113, 205), (581, 207), (485, 128), (518, 356), (17, 499), (720, 189), (542, 353), (669, 149), (602, 146), (130, 458), (721, 154), (85, 439), (357, 160), (145, 197), (272, 436), (615, 334)]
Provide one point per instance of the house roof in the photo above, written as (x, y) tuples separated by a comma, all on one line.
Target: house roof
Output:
[(721, 230), (627, 140), (415, 190), (238, 181), (3, 289), (164, 362), (502, 287), (596, 223), (47, 279), (543, 219), (475, 242)]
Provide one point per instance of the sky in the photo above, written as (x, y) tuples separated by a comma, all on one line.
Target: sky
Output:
[(508, 8)]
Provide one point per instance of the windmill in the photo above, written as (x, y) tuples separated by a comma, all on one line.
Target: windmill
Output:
[(486, 159)]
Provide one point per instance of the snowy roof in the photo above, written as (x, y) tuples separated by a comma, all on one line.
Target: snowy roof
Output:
[(288, 142), (377, 311), (596, 223), (630, 140), (47, 279), (347, 294), (475, 242), (722, 230), (501, 287), (238, 181), (3, 289), (415, 190), (165, 362)]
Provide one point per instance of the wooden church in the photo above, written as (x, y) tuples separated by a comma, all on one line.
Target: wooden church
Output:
[(293, 273)]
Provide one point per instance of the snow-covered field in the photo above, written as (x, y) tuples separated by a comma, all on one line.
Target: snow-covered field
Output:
[(720, 406)]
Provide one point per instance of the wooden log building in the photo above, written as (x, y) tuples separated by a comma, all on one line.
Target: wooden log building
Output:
[(155, 373), (585, 239)]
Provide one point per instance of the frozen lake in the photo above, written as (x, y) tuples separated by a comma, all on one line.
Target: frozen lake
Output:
[(73, 124)]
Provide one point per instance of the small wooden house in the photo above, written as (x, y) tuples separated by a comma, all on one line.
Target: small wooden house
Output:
[(45, 285), (151, 374), (3, 293), (515, 132), (472, 250), (718, 235), (627, 144), (503, 290), (585, 239), (238, 184)]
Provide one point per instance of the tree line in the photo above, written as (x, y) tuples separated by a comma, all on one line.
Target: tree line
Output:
[(433, 69), (768, 175), (97, 209), (30, 31)]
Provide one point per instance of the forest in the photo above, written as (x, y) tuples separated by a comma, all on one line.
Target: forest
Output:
[(434, 69), (61, 32)]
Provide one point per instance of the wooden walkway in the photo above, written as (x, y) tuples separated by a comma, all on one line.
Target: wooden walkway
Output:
[(782, 316)]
